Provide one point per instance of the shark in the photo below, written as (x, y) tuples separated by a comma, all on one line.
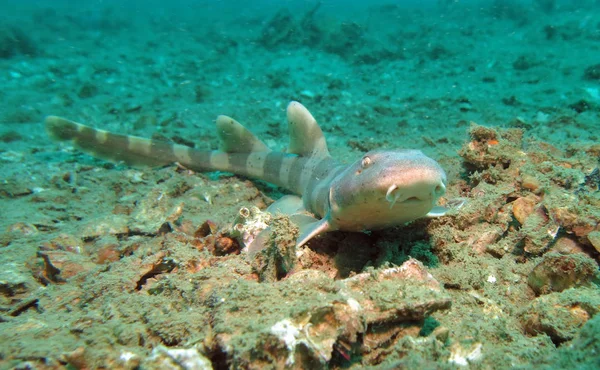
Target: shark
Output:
[(381, 189)]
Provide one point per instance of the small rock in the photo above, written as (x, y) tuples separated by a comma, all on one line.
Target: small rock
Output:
[(13, 280), (177, 358), (530, 182), (87, 90), (278, 254), (523, 207), (485, 238), (557, 272), (539, 231), (59, 266), (561, 315), (225, 246), (63, 242), (594, 238), (566, 245), (11, 188), (113, 225), (77, 358)]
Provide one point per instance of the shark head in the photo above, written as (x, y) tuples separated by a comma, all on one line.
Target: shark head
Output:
[(385, 188)]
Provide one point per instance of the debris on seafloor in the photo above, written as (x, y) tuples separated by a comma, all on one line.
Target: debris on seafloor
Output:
[(523, 201), (277, 256), (248, 224), (561, 315), (147, 287), (177, 358), (557, 272), (319, 318), (524, 244)]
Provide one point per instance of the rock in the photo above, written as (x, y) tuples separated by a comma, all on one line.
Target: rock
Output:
[(248, 224), (177, 359), (539, 232), (112, 225), (594, 238), (561, 315), (557, 272), (307, 318), (397, 294), (530, 183), (566, 245), (277, 254), (14, 280), (60, 266), (523, 207), (490, 148)]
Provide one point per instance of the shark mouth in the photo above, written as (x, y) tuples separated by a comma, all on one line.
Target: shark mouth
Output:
[(393, 195)]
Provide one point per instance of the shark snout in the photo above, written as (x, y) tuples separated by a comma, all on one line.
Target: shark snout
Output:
[(427, 190)]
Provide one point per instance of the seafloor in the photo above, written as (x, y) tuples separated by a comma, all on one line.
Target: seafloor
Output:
[(106, 266)]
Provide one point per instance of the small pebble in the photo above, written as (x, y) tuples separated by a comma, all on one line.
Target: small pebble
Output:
[(530, 183), (523, 208)]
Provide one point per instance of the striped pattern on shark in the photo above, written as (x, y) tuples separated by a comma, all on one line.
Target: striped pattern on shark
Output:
[(383, 188)]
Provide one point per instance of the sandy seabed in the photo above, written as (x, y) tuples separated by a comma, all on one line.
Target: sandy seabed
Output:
[(108, 266)]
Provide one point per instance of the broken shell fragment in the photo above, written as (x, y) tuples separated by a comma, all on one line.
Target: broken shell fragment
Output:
[(244, 212), (59, 266), (248, 224), (207, 228)]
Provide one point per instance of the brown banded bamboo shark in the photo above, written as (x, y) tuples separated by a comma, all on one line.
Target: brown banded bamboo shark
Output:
[(381, 189)]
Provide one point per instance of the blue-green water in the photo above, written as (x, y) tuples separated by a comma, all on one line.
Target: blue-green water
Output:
[(80, 237)]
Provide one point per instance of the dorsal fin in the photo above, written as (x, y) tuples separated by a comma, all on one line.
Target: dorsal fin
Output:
[(306, 137), (235, 138)]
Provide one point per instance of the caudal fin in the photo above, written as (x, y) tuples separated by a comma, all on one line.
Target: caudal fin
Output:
[(113, 147)]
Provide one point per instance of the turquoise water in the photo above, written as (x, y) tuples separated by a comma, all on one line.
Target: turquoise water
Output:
[(376, 75)]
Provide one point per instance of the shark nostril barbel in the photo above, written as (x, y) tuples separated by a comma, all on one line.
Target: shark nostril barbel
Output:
[(392, 195), (389, 195)]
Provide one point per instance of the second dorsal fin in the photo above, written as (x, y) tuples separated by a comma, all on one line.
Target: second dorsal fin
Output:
[(306, 137), (235, 138)]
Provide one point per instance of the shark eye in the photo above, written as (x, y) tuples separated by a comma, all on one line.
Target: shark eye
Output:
[(366, 162)]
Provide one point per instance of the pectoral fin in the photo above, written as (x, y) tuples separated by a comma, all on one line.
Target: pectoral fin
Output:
[(288, 205), (308, 225), (451, 205), (309, 228), (437, 211)]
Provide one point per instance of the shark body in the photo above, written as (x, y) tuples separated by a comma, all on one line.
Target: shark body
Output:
[(383, 188)]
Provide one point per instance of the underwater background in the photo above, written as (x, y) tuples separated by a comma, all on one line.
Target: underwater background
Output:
[(103, 265)]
